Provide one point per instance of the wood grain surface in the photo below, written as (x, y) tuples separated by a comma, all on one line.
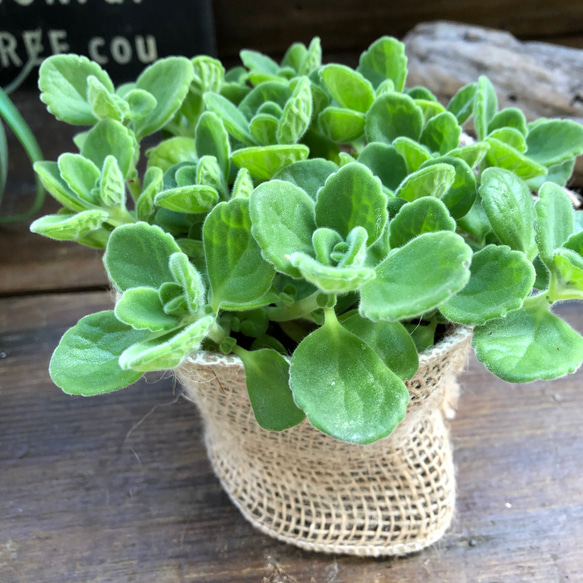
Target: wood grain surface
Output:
[(118, 488)]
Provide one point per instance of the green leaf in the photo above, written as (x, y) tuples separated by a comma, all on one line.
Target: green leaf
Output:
[(313, 58), (81, 175), (267, 378), (568, 267), (69, 227), (348, 87), (384, 59), (554, 141), (462, 193), (234, 121), (328, 278), (485, 106), (273, 92), (310, 175), (500, 280), (511, 117), (153, 184), (137, 255), (296, 114), (505, 156), (425, 215), (86, 359), (50, 177), (256, 61), (472, 155), (575, 242), (167, 351), (555, 223), (510, 209), (462, 103), (475, 222), (63, 81), (188, 199), (417, 277), (107, 138), (140, 103), (211, 139), (385, 162), (112, 187), (390, 340), (294, 56), (511, 137), (391, 116), (168, 81), (341, 125), (528, 344), (413, 153), (171, 152), (344, 388), (283, 218), (434, 180), (441, 133), (264, 162), (263, 128), (209, 173), (103, 102), (190, 281), (209, 74), (243, 185), (237, 272), (324, 241), (352, 197), (141, 308), (430, 109), (559, 174)]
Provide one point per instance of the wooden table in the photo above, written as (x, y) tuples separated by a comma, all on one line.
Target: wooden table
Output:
[(118, 488)]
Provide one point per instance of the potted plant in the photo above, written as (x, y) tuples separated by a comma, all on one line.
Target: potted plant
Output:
[(311, 248)]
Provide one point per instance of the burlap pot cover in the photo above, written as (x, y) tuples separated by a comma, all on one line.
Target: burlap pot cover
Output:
[(392, 497)]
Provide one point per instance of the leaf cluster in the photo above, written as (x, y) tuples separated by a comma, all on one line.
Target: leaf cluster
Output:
[(321, 222)]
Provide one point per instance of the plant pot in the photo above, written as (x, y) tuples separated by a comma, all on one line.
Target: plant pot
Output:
[(392, 497)]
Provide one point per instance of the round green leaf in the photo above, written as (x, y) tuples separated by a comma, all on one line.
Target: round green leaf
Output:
[(393, 115), (264, 162), (348, 87), (384, 59)]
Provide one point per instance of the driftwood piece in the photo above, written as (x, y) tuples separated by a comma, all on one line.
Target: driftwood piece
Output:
[(542, 79)]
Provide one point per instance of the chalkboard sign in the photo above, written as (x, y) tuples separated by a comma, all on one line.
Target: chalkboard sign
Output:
[(123, 36)]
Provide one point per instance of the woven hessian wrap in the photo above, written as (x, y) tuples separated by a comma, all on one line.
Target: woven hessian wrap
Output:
[(392, 497)]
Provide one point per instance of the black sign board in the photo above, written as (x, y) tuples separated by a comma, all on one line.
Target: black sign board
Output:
[(123, 36)]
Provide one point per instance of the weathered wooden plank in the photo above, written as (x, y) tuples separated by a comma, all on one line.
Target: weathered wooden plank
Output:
[(119, 489), (349, 26)]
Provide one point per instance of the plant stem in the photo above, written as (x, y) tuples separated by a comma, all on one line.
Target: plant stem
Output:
[(297, 310), (217, 333)]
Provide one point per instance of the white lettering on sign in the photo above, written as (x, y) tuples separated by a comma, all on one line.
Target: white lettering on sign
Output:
[(120, 50)]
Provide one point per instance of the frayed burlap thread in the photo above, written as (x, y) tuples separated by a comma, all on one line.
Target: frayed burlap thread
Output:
[(392, 497)]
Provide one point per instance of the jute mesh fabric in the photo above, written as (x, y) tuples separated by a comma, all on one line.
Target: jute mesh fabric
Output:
[(392, 497)]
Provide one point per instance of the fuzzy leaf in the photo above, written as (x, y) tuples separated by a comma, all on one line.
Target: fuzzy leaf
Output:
[(50, 177), (472, 155), (264, 162), (384, 59), (283, 218), (188, 199), (425, 215), (112, 188), (141, 308), (211, 139), (434, 180), (171, 152), (505, 156), (273, 92), (412, 152), (168, 81), (243, 185), (485, 106), (341, 125), (234, 121), (390, 340), (267, 378), (86, 359), (385, 162), (462, 103), (348, 87), (500, 280), (510, 117), (190, 281), (441, 133), (528, 344), (417, 277), (63, 81), (510, 209), (69, 227), (555, 223), (393, 115), (167, 351), (137, 255), (310, 175), (81, 175), (554, 141), (236, 269), (107, 138), (352, 197), (140, 103), (263, 128), (103, 102), (323, 373), (296, 114)]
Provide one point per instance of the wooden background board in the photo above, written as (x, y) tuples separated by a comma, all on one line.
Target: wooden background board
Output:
[(118, 488)]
